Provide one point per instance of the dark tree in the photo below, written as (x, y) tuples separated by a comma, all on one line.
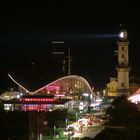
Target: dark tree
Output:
[(124, 112), (125, 121)]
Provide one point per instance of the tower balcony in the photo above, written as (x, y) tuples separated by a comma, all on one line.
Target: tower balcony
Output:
[(122, 66), (125, 68)]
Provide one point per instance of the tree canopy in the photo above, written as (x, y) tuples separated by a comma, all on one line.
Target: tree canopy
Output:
[(124, 114)]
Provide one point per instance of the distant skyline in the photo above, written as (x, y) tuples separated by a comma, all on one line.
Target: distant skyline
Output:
[(26, 37)]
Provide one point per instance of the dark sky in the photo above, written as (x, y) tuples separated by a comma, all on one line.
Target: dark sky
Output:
[(26, 36)]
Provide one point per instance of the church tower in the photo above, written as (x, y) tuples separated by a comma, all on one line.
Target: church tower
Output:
[(123, 65)]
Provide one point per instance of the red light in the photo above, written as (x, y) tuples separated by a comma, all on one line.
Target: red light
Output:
[(43, 107), (37, 100)]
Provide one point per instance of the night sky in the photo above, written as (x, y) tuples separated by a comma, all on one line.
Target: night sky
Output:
[(26, 37)]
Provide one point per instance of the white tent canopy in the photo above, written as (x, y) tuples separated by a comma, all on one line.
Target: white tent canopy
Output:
[(135, 97)]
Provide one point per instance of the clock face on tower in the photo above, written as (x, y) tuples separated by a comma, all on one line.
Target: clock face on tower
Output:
[(123, 35)]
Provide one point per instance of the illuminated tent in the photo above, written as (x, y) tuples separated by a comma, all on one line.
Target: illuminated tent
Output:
[(135, 97)]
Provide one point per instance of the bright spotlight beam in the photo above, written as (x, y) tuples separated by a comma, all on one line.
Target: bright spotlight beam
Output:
[(27, 91)]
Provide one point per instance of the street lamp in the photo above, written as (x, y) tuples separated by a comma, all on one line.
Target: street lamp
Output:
[(69, 64), (66, 122), (54, 129)]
